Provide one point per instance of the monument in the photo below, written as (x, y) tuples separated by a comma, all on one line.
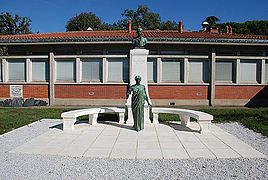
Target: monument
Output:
[(139, 96), (138, 67)]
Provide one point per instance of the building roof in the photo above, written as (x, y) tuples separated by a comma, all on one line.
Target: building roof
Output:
[(124, 35)]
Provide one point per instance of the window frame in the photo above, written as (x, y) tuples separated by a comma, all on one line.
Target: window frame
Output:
[(205, 63), (154, 60), (233, 61), (125, 61), (101, 69), (181, 70), (258, 71), (73, 60), (25, 69), (47, 69)]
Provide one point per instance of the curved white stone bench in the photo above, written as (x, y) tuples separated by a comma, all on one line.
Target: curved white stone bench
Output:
[(203, 119), (69, 118)]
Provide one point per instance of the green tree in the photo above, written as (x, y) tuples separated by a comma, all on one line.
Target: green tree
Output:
[(212, 20), (3, 51), (10, 24), (169, 25), (85, 20), (141, 17), (248, 27)]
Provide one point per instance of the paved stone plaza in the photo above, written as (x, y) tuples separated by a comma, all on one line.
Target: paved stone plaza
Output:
[(156, 141)]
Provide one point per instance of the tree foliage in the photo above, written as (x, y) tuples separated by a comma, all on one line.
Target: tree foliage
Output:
[(3, 51), (146, 19), (248, 27), (212, 20), (169, 25), (10, 24), (143, 17), (85, 20)]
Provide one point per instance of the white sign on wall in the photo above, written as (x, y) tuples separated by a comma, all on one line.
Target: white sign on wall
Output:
[(16, 91)]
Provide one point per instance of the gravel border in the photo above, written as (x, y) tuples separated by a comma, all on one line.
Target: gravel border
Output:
[(256, 140), (25, 166)]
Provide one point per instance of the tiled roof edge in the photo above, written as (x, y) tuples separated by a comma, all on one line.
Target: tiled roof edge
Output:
[(111, 39)]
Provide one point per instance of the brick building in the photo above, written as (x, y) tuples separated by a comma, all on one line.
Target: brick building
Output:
[(92, 67)]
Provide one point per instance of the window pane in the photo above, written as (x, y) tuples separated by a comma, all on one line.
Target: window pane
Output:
[(151, 70), (117, 52), (39, 70), (174, 52), (249, 71), (16, 70), (224, 70), (171, 70), (198, 71), (91, 69), (266, 72), (118, 70), (66, 70)]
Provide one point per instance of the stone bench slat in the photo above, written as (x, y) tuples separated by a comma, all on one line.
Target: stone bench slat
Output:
[(69, 118), (203, 119)]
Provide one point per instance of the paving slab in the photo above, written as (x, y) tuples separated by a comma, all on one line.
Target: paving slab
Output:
[(175, 153), (156, 141)]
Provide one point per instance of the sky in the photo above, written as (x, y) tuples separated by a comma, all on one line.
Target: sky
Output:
[(52, 15)]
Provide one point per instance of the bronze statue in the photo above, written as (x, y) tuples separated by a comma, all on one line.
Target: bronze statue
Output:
[(139, 41), (139, 96)]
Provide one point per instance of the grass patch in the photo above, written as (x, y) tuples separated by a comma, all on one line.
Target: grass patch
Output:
[(168, 117), (12, 118), (255, 118)]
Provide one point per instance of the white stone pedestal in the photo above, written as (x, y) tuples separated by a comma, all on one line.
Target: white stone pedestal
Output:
[(138, 66)]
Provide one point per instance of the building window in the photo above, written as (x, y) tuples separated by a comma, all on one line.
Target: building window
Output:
[(117, 52), (226, 53), (172, 52), (118, 70), (249, 71), (172, 70), (92, 70), (266, 72), (250, 53), (225, 71), (16, 70), (39, 70), (65, 70), (198, 71), (152, 70)]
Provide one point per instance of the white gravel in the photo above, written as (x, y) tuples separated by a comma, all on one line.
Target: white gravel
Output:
[(23, 166)]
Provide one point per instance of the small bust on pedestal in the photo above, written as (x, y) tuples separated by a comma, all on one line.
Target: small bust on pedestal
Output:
[(139, 41), (139, 96)]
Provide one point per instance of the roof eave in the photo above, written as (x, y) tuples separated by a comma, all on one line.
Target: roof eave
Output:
[(208, 41)]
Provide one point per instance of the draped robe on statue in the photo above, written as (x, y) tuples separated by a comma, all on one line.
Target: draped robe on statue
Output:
[(137, 105)]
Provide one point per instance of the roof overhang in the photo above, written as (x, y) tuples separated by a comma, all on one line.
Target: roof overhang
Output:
[(188, 41)]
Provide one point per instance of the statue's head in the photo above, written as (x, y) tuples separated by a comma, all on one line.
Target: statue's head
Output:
[(138, 79), (139, 31)]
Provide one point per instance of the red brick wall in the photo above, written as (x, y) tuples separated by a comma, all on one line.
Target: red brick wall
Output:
[(4, 91), (241, 92), (156, 92), (35, 91), (91, 91), (178, 92)]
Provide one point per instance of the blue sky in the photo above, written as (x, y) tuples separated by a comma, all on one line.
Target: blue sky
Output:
[(52, 15)]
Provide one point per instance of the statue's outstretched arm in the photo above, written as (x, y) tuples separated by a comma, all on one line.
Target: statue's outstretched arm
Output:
[(146, 97), (128, 90)]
